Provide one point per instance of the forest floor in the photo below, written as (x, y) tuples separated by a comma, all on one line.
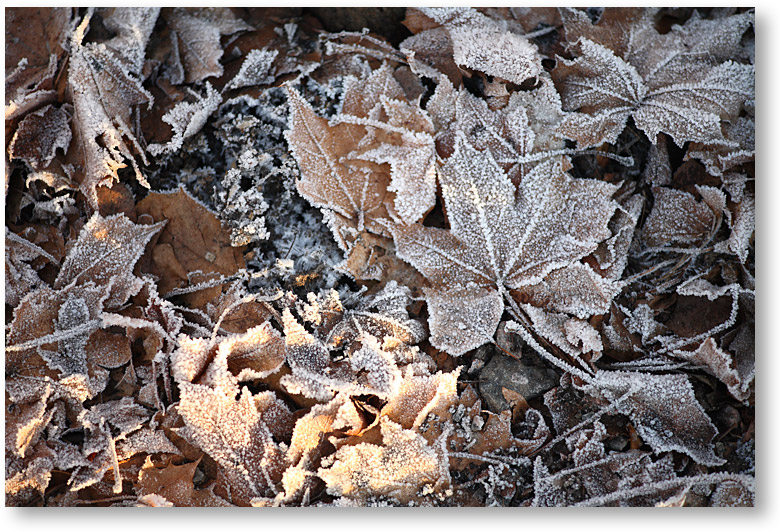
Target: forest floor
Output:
[(494, 257)]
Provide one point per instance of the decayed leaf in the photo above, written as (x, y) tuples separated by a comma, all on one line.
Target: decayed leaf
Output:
[(664, 410), (198, 30), (36, 40), (739, 147), (103, 90), (175, 484), (678, 218), (679, 83), (133, 26), (718, 363), (530, 245), (403, 466), (193, 240), (106, 252), (743, 225)]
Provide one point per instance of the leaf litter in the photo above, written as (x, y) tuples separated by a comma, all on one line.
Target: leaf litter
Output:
[(252, 263)]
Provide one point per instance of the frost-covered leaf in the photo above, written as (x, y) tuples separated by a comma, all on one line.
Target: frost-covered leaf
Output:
[(720, 364), (187, 119), (344, 164), (198, 30), (400, 134), (499, 243), (382, 315), (679, 83), (257, 69), (232, 431), (175, 484), (421, 398), (468, 39), (353, 191), (573, 335), (20, 275), (678, 218), (103, 91), (664, 410), (518, 135), (739, 147), (743, 225), (133, 26), (401, 467), (39, 135), (106, 252)]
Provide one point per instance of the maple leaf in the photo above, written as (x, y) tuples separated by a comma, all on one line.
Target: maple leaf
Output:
[(739, 147), (175, 484), (103, 90), (677, 217), (353, 192), (519, 135), (497, 243), (193, 241), (664, 410), (681, 83), (344, 163)]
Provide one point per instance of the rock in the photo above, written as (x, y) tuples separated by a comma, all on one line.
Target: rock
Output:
[(505, 372)]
